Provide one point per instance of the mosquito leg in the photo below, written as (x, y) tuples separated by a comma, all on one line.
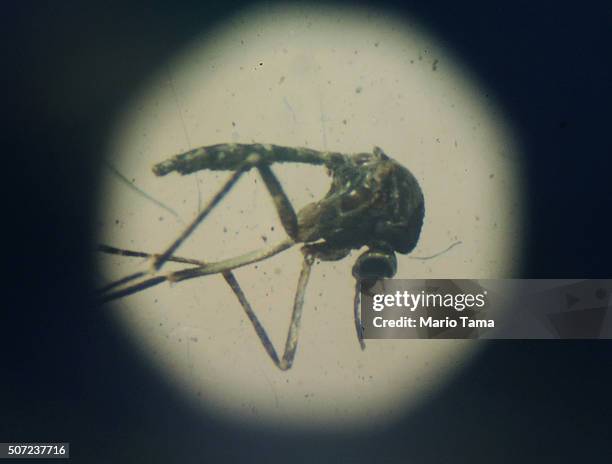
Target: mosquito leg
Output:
[(193, 272), (136, 254), (166, 255), (281, 201), (296, 316), (120, 282), (261, 332), (141, 254), (231, 263), (294, 327)]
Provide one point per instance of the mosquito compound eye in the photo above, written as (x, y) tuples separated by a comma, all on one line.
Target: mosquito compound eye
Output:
[(375, 264)]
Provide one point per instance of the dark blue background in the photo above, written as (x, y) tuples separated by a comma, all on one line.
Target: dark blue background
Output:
[(67, 375)]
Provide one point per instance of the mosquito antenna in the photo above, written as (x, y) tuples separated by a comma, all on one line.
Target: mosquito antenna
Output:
[(141, 192), (425, 258), (182, 118)]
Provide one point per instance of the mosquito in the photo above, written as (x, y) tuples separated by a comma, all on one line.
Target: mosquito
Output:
[(373, 202)]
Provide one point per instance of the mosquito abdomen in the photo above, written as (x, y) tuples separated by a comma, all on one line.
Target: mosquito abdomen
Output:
[(232, 156)]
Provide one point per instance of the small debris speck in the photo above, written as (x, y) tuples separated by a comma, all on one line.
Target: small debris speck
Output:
[(358, 89)]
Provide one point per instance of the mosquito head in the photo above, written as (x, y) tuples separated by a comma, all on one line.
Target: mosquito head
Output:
[(378, 262)]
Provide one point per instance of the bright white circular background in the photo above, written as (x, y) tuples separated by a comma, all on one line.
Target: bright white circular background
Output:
[(330, 79)]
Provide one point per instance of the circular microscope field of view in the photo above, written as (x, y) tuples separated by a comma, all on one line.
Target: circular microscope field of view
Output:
[(330, 80)]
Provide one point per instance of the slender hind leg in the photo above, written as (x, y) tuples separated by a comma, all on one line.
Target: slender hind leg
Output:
[(292, 336), (187, 273), (167, 254), (161, 259), (282, 204)]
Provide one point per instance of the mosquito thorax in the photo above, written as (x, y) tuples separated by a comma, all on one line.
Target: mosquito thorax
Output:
[(371, 198)]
